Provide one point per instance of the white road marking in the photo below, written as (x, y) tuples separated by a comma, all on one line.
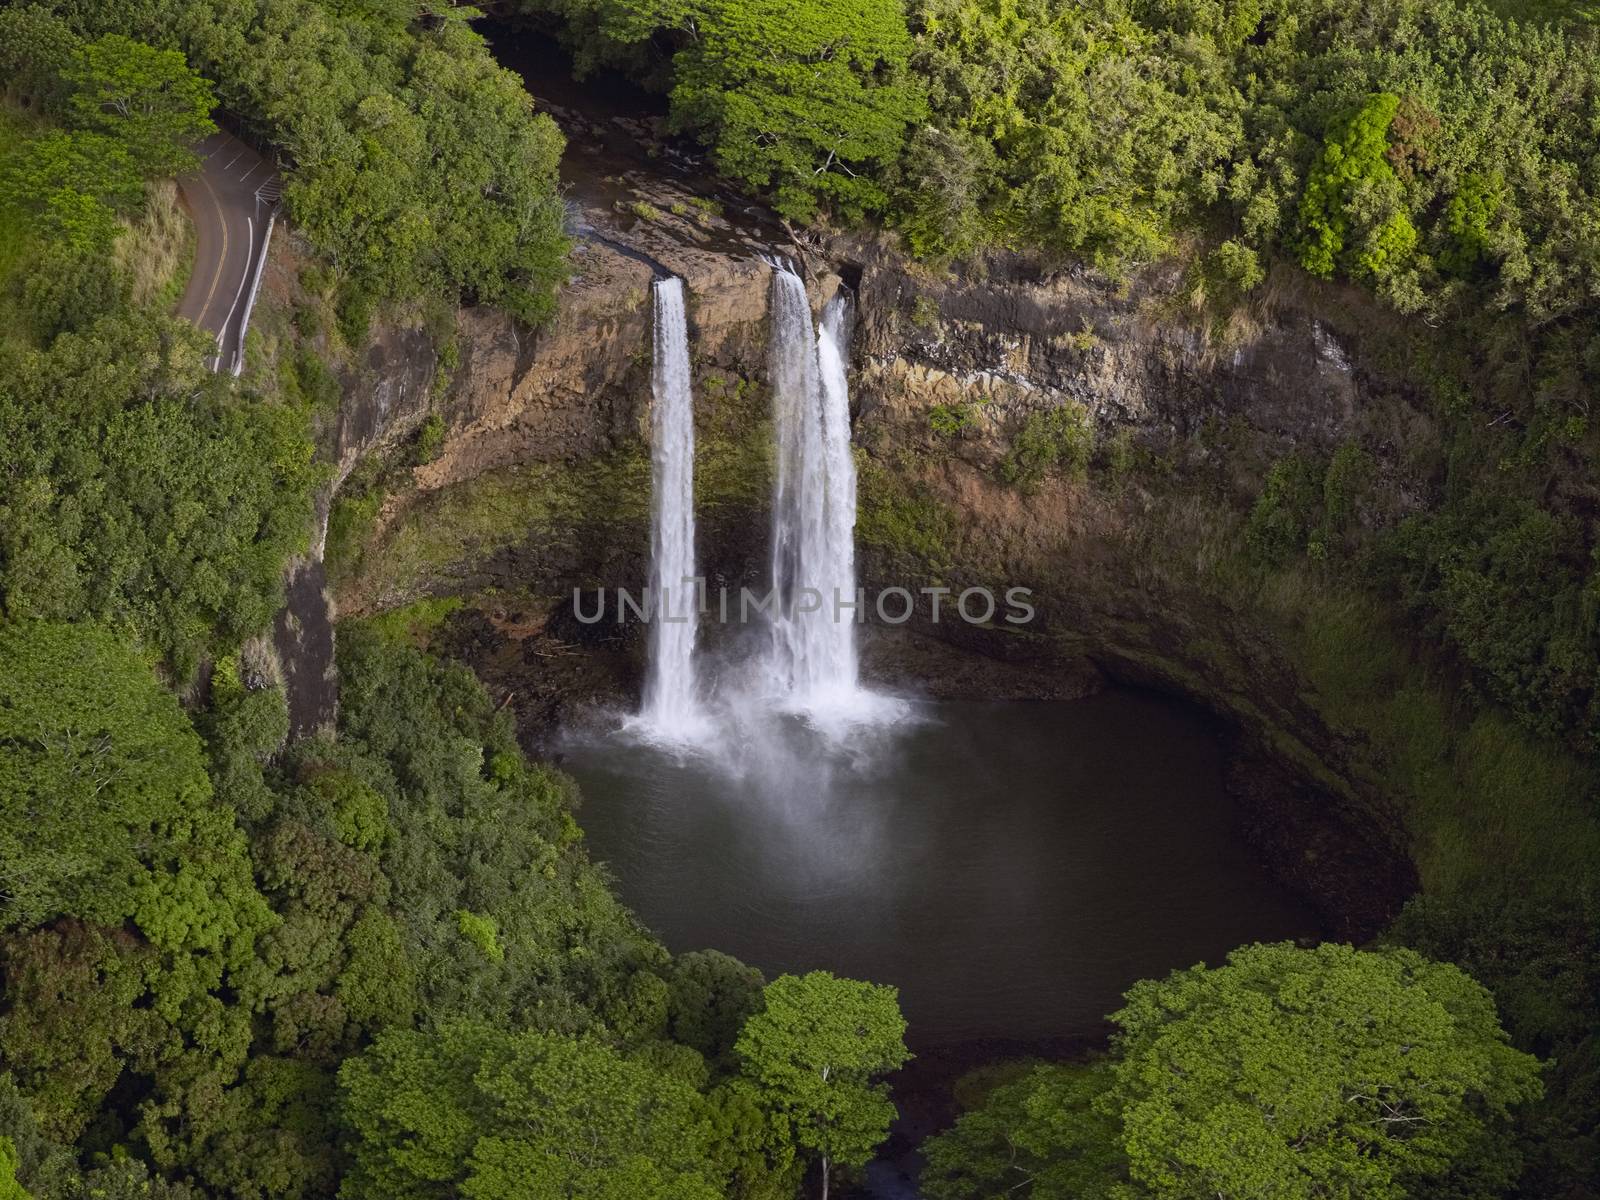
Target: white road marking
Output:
[(254, 257), (250, 246)]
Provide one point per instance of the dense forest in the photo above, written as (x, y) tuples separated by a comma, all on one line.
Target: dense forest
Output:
[(378, 963)]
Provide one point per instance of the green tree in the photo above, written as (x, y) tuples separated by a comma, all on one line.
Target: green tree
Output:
[(1289, 1073), (711, 995), (10, 1187), (1328, 1072), (1068, 127), (532, 1116), (144, 491), (1041, 1136), (73, 282), (811, 99), (419, 166), (148, 99), (816, 1050), (41, 1166), (77, 1013), (100, 773), (1352, 173), (475, 827), (1467, 223), (752, 1143), (36, 46), (74, 184), (1055, 439)]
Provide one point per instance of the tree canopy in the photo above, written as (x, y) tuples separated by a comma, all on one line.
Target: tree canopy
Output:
[(1068, 127), (817, 1049), (414, 162), (1041, 1136), (1285, 1072), (104, 796), (149, 100), (501, 1116), (377, 962), (142, 491), (809, 99)]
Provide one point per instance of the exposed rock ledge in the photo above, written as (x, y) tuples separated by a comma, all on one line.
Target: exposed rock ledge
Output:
[(542, 485)]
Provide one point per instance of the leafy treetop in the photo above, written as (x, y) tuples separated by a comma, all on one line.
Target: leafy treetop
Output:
[(817, 1048), (149, 99)]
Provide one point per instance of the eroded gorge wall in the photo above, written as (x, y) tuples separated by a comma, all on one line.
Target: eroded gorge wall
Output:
[(1086, 438)]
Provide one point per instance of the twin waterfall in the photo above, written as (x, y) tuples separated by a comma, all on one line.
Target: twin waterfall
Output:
[(671, 706), (807, 665), (811, 659)]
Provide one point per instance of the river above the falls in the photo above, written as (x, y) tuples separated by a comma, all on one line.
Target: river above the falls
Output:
[(1010, 867)]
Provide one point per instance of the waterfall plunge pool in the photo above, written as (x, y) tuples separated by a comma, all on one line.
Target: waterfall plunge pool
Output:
[(1010, 867)]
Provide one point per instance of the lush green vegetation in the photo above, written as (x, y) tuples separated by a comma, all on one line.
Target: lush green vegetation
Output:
[(371, 963), (233, 967), (814, 1051), (1435, 151), (1286, 1072), (68, 195), (236, 959), (809, 100), (141, 491), (378, 963), (413, 163)]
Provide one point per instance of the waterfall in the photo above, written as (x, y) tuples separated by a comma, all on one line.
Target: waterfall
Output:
[(805, 665), (671, 704), (839, 465), (811, 656)]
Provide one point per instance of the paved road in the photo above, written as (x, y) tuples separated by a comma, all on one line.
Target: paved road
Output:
[(232, 199)]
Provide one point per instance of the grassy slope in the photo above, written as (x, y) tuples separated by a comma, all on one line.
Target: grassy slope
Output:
[(1462, 773), (155, 252)]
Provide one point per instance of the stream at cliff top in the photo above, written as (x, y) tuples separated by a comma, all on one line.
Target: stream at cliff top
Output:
[(1011, 867)]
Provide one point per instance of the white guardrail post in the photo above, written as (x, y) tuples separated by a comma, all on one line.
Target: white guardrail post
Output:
[(255, 286)]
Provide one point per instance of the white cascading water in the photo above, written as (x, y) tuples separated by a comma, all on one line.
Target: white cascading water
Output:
[(807, 664), (840, 468), (671, 703), (810, 662)]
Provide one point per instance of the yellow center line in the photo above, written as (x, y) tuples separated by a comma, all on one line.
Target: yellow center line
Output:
[(222, 258)]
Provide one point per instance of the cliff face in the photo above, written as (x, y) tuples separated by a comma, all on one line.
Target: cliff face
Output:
[(949, 374), (1061, 432), (581, 387), (1081, 439), (542, 480), (1091, 442)]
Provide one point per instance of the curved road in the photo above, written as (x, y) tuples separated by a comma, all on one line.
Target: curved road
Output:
[(232, 198)]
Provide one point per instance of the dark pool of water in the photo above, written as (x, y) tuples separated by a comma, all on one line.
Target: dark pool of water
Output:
[(1011, 867)]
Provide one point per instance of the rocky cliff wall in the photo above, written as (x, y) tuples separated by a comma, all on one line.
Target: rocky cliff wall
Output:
[(1085, 438)]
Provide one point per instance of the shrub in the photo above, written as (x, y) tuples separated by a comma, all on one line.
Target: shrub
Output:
[(1057, 439), (952, 420)]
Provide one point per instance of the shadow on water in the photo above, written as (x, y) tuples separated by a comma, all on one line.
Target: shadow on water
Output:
[(1010, 867)]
